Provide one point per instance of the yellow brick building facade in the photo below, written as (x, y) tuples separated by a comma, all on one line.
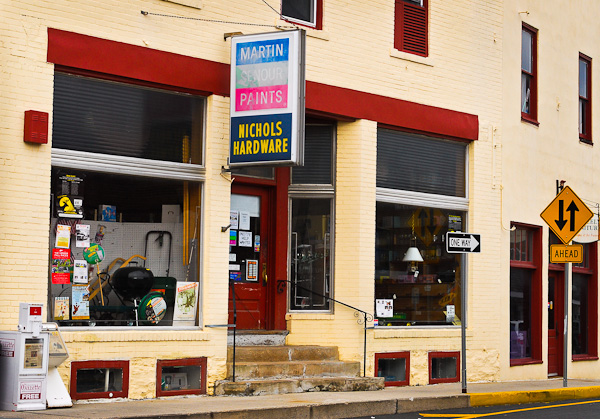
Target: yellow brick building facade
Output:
[(463, 91)]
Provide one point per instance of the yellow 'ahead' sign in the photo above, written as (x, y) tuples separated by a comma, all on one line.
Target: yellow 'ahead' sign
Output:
[(566, 215), (562, 253)]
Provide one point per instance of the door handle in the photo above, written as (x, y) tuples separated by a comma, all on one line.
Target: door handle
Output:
[(264, 273)]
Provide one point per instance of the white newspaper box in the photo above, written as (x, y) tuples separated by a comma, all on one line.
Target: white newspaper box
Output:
[(24, 362)]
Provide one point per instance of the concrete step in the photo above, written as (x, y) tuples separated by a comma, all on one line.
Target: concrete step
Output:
[(298, 385), (283, 353), (257, 337), (293, 369)]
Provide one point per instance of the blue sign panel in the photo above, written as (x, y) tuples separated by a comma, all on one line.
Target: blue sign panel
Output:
[(262, 138), (262, 51)]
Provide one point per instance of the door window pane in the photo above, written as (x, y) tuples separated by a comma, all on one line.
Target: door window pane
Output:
[(310, 254)]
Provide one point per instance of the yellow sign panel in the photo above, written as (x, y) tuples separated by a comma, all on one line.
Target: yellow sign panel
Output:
[(566, 215), (427, 223), (562, 253)]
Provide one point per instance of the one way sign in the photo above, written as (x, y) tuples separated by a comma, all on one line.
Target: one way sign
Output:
[(463, 243)]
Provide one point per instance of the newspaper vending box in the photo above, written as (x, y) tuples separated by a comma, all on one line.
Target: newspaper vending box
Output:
[(24, 362)]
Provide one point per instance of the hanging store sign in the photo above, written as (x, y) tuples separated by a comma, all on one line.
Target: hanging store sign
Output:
[(589, 232), (267, 99)]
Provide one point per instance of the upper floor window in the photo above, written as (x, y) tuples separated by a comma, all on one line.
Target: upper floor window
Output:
[(585, 98), (410, 33), (305, 12), (529, 74)]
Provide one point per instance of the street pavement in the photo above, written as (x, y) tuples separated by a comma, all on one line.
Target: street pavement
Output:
[(330, 405)]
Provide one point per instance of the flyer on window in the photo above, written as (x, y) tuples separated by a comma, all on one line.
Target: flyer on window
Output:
[(80, 310), (61, 308), (63, 236), (186, 301), (82, 234), (80, 272), (61, 266)]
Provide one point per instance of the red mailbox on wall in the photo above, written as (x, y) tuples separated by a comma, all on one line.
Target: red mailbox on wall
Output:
[(36, 127)]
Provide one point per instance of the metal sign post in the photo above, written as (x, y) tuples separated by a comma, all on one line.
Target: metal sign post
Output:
[(458, 242)]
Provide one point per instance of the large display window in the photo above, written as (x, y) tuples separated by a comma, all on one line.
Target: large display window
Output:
[(125, 205), (421, 196)]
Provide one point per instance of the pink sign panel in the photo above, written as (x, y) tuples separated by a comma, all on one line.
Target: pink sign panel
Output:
[(267, 97)]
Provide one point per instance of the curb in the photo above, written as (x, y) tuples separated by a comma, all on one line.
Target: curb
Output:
[(534, 396)]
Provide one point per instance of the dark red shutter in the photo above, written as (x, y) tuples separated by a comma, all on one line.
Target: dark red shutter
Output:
[(411, 28)]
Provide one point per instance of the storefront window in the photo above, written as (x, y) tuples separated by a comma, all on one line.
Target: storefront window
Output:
[(311, 200), (411, 292), (421, 196), (125, 205)]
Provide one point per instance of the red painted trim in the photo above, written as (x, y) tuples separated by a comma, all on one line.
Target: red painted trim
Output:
[(524, 361), (281, 201), (453, 354), (587, 135), (394, 355), (77, 365), (390, 111), (125, 60), (102, 56), (199, 362)]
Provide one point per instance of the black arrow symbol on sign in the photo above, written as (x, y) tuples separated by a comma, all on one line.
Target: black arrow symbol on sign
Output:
[(572, 208), (561, 221)]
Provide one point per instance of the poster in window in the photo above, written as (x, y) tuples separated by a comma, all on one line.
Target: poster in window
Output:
[(454, 223), (63, 236), (232, 237), (234, 220), (80, 296), (384, 307), (61, 308), (251, 270), (69, 196), (82, 234), (61, 266), (244, 220), (80, 272), (245, 239), (186, 301)]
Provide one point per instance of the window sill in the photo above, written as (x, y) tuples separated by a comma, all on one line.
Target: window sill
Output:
[(585, 141), (428, 61), (309, 316), (525, 361), (139, 334), (584, 358), (313, 33), (530, 121)]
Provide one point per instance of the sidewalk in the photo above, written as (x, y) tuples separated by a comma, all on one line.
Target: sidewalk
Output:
[(327, 404)]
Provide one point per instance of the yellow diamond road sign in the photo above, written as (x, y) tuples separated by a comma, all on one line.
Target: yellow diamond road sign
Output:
[(566, 215)]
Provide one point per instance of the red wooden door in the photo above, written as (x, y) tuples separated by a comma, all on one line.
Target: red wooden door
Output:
[(555, 322), (248, 256)]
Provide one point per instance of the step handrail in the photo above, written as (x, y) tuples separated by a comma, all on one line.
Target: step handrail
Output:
[(366, 317)]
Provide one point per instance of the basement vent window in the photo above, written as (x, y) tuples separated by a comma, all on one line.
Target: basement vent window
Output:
[(444, 367), (99, 379), (394, 366), (177, 377)]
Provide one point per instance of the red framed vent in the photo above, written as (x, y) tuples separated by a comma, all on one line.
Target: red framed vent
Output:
[(36, 127)]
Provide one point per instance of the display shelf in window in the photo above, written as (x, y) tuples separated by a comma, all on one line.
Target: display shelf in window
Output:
[(176, 377)]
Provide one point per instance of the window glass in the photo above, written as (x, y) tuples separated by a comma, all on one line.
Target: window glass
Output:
[(520, 312), (105, 117), (580, 313), (526, 52), (300, 10), (583, 71), (123, 247), (417, 163), (425, 292), (310, 254)]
